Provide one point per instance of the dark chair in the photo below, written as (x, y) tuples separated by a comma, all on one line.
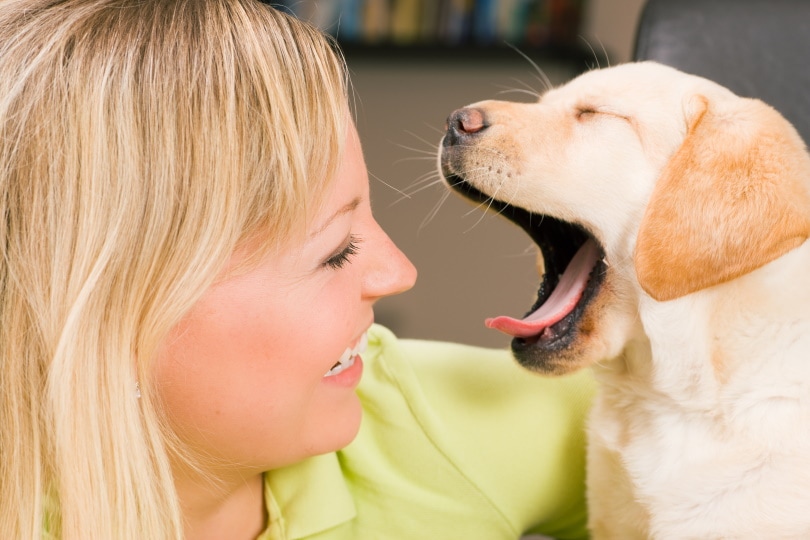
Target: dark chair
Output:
[(757, 48)]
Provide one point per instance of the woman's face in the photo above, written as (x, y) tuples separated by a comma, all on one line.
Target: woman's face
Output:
[(249, 374)]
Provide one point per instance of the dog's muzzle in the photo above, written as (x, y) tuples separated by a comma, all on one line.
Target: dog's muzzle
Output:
[(572, 257)]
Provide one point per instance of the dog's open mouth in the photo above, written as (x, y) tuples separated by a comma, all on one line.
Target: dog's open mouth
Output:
[(574, 271)]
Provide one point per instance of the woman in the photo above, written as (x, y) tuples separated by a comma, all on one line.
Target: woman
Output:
[(188, 274)]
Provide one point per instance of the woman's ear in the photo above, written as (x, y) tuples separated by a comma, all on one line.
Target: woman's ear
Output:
[(735, 196)]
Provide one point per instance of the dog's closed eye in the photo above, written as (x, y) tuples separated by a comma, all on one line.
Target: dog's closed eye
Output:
[(585, 111), (588, 112)]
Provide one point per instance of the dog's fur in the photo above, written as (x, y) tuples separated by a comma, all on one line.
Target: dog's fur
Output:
[(699, 333)]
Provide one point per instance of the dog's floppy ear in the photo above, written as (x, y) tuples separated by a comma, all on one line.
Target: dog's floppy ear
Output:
[(731, 199)]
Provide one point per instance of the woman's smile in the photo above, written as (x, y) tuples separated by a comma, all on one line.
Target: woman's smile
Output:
[(349, 357)]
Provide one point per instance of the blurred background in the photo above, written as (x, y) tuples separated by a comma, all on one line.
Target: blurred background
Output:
[(412, 63)]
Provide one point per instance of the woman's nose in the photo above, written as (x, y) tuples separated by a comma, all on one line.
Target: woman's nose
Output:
[(390, 273)]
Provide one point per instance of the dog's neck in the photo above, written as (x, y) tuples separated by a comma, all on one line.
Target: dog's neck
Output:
[(696, 349)]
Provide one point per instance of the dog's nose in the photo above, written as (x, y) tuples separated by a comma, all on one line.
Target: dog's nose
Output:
[(464, 123)]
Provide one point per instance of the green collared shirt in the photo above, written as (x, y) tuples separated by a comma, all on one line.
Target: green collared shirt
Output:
[(456, 442)]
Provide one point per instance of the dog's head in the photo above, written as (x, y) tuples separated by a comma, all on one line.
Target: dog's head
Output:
[(633, 180)]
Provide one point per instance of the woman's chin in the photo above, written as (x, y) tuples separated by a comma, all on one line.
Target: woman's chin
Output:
[(339, 427)]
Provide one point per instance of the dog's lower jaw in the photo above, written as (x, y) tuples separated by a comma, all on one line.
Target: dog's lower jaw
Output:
[(589, 342), (564, 360)]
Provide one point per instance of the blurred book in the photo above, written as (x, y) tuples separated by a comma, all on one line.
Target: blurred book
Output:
[(406, 21), (534, 23)]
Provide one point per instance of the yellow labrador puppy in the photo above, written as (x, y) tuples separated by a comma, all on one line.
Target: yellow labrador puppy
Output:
[(673, 219)]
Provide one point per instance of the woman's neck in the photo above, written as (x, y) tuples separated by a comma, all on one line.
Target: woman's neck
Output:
[(230, 508)]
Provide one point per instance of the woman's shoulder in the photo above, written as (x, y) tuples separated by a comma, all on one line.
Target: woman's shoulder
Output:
[(472, 431)]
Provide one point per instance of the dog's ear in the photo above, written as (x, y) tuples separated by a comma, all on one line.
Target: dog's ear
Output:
[(731, 199)]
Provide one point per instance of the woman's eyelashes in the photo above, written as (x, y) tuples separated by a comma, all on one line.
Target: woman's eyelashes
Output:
[(340, 259)]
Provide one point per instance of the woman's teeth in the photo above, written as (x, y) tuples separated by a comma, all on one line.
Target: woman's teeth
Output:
[(347, 358)]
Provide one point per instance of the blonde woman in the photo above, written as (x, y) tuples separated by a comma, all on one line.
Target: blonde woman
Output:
[(187, 278)]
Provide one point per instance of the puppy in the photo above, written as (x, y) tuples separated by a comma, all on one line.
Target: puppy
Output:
[(673, 219)]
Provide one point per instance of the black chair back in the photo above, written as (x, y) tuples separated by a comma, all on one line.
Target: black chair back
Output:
[(756, 48)]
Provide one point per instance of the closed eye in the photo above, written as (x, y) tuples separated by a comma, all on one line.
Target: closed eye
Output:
[(341, 258), (584, 112)]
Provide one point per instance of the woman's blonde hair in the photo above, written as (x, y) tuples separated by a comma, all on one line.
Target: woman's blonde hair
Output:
[(141, 143)]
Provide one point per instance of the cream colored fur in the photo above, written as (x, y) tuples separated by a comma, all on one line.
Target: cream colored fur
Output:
[(700, 336)]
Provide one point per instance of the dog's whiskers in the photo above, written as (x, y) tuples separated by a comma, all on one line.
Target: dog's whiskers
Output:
[(541, 75), (606, 56), (383, 182), (434, 128), (426, 180), (484, 214), (430, 144), (427, 176), (427, 183), (427, 154), (593, 52), (529, 87), (486, 206), (529, 92), (434, 211), (416, 158)]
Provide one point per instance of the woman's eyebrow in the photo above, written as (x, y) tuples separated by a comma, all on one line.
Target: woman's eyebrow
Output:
[(349, 207)]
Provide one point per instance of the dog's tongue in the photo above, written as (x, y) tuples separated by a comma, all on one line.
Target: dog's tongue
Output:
[(562, 300)]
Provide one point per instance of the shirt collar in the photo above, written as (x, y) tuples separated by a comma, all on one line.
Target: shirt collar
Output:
[(310, 496)]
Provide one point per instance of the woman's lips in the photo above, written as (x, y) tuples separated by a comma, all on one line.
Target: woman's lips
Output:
[(349, 357)]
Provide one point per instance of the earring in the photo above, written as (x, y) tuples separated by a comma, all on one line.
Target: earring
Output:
[(137, 389)]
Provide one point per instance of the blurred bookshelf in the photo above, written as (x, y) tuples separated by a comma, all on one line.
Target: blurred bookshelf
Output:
[(458, 30)]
